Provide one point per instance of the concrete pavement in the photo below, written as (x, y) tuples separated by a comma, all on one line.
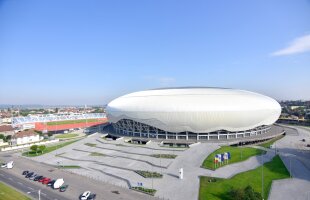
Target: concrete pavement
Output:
[(296, 159)]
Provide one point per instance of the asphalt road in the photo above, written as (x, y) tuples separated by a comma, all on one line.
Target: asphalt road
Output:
[(77, 184), (29, 187)]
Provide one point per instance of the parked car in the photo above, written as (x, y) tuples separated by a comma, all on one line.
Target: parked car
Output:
[(25, 172), (29, 174), (85, 195), (46, 180), (58, 183), (33, 176), (38, 177), (92, 197), (10, 165), (41, 179), (63, 188), (51, 183)]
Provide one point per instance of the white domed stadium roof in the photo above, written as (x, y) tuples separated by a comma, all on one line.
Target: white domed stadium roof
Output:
[(198, 110)]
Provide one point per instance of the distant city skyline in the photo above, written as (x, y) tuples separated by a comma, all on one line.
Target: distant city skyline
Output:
[(90, 52)]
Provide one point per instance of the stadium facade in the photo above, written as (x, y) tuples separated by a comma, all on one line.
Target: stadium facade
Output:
[(194, 113)]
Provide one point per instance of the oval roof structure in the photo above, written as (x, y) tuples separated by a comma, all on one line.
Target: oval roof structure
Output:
[(198, 110)]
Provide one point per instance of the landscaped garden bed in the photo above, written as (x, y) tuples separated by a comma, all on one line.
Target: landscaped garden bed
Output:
[(167, 156), (145, 190), (148, 174)]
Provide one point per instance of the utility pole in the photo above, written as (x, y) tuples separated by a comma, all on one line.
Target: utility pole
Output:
[(290, 166)]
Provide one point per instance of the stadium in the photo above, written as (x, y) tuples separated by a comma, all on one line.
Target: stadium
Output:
[(193, 113), (57, 122)]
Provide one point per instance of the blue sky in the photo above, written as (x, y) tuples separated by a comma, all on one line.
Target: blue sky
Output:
[(89, 52)]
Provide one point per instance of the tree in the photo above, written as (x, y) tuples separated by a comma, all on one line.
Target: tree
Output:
[(250, 194), (2, 137), (237, 194), (247, 193), (8, 137), (34, 148), (42, 148)]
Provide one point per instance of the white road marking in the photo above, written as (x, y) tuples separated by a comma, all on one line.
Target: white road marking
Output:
[(30, 188), (43, 194), (11, 179), (19, 183)]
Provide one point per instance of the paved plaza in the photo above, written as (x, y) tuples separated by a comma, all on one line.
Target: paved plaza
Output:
[(118, 160)]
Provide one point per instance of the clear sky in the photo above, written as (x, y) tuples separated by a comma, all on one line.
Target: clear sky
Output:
[(89, 52)]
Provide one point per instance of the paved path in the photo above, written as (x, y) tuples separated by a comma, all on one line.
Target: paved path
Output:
[(297, 161), (172, 187)]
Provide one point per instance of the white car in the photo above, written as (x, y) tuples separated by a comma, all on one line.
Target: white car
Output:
[(10, 164), (85, 195)]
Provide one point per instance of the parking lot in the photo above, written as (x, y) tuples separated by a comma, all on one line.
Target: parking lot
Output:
[(77, 184)]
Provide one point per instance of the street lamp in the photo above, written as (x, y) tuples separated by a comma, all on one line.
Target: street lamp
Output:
[(263, 176)]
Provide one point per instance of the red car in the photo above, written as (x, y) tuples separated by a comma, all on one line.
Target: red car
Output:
[(41, 180), (46, 181)]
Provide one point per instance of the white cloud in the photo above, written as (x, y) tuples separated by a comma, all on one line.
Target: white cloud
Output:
[(298, 45)]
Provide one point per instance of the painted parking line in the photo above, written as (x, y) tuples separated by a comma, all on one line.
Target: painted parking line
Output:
[(43, 194), (30, 188), (19, 183)]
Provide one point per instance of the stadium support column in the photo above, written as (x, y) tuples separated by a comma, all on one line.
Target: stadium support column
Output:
[(157, 133), (186, 135)]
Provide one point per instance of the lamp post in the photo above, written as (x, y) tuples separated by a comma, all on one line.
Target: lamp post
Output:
[(263, 176)]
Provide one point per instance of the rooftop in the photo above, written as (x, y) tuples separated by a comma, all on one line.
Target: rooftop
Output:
[(5, 128), (25, 133)]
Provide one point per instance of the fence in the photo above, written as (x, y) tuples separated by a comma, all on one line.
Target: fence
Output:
[(28, 145)]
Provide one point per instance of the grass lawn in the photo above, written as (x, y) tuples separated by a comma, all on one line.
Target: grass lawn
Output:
[(8, 193), (48, 149), (96, 154), (67, 135), (270, 142), (238, 154), (219, 188), (90, 144), (72, 121)]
